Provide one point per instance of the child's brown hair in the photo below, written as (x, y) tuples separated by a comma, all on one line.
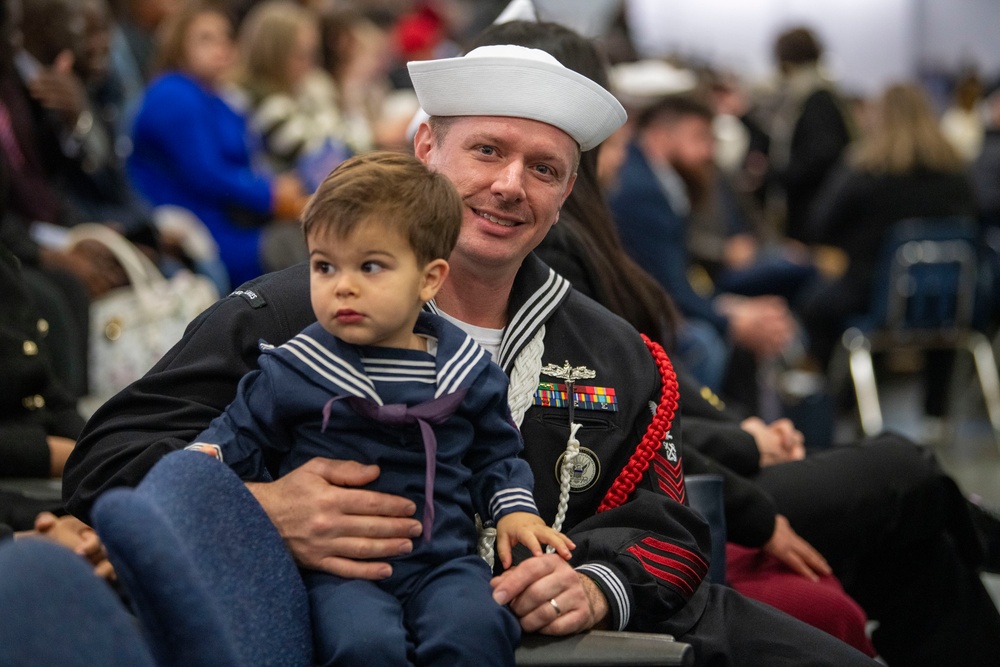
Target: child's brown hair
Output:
[(390, 188)]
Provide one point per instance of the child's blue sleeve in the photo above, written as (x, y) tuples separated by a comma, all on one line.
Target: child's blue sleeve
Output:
[(248, 426), (502, 481)]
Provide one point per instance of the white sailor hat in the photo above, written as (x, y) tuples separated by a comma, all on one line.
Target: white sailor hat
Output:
[(508, 80)]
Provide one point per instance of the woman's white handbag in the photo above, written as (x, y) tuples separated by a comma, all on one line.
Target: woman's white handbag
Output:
[(131, 327)]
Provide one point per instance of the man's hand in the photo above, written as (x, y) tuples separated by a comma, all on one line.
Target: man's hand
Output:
[(528, 529), (288, 197), (331, 528), (777, 442), (793, 443), (739, 251), (59, 89), (91, 263), (762, 324), (76, 536), (59, 451), (531, 587), (786, 545)]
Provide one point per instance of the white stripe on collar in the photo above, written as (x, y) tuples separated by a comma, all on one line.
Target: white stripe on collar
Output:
[(333, 369), (529, 316), (454, 372), (525, 322)]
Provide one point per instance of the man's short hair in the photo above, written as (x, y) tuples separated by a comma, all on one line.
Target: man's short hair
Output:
[(392, 189), (440, 125), (797, 46), (672, 108)]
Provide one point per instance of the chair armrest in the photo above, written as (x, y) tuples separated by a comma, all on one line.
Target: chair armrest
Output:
[(601, 647), (36, 488)]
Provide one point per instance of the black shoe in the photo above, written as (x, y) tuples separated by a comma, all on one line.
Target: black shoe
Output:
[(987, 522)]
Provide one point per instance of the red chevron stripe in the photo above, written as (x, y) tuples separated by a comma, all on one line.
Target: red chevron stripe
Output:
[(696, 568), (674, 494), (673, 487), (672, 475), (672, 563), (692, 556), (676, 581), (663, 460)]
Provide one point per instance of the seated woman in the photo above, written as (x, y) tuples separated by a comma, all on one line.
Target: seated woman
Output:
[(192, 149), (292, 100), (902, 167), (39, 422)]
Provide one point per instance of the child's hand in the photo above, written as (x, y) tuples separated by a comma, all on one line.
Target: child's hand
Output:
[(528, 529), (206, 448)]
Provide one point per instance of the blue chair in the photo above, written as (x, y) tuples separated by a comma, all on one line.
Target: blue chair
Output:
[(705, 496), (54, 611), (928, 293), (208, 574), (213, 584)]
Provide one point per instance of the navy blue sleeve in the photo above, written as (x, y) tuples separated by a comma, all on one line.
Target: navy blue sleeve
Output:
[(249, 425), (502, 481)]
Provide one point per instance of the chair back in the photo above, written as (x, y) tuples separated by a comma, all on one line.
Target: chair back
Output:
[(705, 496), (933, 289), (207, 572), (929, 276), (54, 611)]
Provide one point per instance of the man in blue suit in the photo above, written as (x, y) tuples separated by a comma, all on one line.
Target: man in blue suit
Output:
[(651, 205)]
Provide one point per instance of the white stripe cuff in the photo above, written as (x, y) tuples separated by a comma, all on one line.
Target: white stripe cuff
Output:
[(618, 597), (518, 498)]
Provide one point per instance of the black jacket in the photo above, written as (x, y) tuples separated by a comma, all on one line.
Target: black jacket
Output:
[(32, 403), (649, 553)]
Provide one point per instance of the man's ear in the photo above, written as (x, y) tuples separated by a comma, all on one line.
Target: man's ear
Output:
[(569, 189), (565, 196), (435, 273), (423, 142)]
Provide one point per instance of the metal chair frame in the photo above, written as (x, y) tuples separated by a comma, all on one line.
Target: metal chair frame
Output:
[(896, 329)]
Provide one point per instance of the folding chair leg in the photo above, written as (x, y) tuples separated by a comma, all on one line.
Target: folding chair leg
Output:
[(986, 368), (863, 373)]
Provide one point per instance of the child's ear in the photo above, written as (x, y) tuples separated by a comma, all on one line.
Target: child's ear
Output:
[(435, 273)]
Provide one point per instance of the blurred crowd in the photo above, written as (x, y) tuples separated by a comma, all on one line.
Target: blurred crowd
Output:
[(196, 129), (743, 222), (199, 129)]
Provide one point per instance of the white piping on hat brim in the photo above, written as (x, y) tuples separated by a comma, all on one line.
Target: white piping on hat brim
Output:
[(518, 87)]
